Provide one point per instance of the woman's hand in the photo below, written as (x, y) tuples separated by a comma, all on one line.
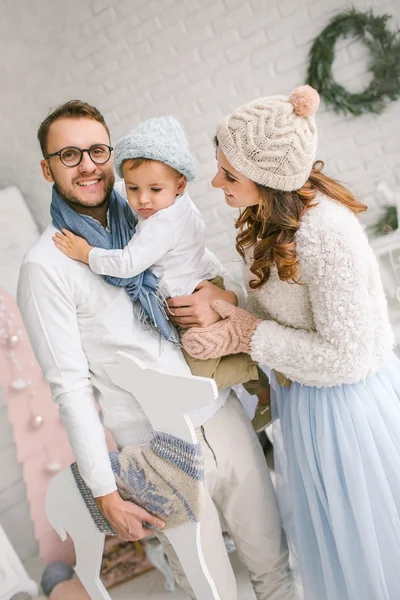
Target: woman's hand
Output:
[(196, 310), (72, 245), (229, 336), (126, 518)]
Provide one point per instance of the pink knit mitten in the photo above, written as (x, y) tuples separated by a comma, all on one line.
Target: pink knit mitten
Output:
[(230, 335)]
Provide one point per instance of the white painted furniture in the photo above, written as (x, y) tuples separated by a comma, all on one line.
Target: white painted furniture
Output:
[(387, 250), (167, 412), (13, 577)]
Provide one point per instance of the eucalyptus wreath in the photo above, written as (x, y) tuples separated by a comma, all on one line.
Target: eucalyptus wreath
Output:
[(384, 65)]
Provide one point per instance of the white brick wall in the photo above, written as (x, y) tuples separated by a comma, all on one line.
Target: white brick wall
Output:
[(195, 59)]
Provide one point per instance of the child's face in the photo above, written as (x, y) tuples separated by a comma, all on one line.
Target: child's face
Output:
[(152, 186)]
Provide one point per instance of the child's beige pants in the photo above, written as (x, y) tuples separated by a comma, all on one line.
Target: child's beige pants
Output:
[(229, 370)]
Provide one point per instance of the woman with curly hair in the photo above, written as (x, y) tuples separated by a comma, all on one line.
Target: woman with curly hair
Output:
[(317, 317)]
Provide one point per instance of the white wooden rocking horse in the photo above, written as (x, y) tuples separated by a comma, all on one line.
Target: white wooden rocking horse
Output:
[(67, 511)]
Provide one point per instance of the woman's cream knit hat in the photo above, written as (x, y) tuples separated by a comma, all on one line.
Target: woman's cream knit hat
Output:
[(273, 140)]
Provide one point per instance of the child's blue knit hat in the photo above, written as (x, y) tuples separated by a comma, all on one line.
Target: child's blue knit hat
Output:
[(161, 139)]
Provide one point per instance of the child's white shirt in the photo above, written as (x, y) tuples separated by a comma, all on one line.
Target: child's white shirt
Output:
[(171, 243)]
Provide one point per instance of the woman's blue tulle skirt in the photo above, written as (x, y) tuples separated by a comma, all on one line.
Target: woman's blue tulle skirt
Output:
[(337, 461)]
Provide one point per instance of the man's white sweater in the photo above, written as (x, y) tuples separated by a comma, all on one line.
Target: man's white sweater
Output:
[(76, 322)]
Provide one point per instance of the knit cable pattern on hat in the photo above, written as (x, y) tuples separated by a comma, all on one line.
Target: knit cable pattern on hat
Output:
[(165, 478), (273, 140), (161, 139)]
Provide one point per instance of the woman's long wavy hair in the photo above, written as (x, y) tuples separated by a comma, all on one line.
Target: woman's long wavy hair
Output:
[(270, 228)]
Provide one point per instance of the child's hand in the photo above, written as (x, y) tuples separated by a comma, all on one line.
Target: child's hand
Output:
[(72, 245)]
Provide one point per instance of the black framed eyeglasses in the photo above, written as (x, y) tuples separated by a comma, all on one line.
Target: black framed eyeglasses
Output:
[(72, 157)]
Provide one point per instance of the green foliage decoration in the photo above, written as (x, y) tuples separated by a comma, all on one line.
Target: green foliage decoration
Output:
[(384, 64), (388, 221)]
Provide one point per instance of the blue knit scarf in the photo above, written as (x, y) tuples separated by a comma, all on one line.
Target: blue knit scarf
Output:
[(122, 223)]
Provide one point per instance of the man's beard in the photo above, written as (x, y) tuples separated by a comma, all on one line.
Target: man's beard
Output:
[(69, 197)]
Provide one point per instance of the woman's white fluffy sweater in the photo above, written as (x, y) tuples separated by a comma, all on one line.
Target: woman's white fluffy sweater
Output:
[(334, 328)]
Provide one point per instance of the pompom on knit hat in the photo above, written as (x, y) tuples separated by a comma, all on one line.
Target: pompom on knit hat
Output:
[(273, 140), (162, 139)]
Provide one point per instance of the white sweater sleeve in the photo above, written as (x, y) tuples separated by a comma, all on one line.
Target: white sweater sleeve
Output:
[(49, 315), (335, 271), (149, 244), (230, 282)]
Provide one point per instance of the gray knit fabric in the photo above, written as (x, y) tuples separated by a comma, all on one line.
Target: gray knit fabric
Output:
[(161, 139), (165, 478)]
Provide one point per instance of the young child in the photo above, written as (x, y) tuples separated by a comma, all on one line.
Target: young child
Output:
[(155, 162)]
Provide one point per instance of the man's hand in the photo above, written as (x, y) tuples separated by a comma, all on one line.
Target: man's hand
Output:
[(196, 310), (126, 518), (72, 245)]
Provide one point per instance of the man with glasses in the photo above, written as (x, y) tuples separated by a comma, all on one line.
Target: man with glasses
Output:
[(72, 157), (76, 322)]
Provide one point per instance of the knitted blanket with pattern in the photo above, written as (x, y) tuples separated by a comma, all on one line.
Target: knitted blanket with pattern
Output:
[(165, 478)]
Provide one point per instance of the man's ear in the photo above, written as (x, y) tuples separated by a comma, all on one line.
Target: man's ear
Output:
[(181, 185), (46, 171)]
